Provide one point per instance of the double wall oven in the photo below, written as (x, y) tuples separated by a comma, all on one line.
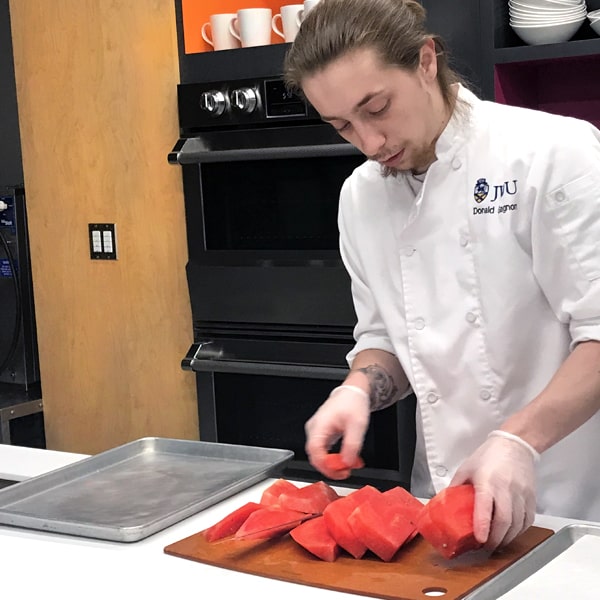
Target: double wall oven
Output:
[(271, 303)]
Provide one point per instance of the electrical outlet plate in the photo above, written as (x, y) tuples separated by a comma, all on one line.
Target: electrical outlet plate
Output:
[(103, 241)]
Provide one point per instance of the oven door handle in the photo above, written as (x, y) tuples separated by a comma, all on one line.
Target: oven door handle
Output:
[(195, 150), (208, 356)]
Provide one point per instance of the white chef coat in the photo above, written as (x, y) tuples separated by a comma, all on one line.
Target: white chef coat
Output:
[(482, 283)]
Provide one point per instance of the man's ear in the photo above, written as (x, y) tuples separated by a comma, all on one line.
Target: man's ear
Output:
[(428, 61)]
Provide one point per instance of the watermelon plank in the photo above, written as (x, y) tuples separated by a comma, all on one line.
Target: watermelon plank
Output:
[(270, 495), (381, 525), (446, 521), (229, 524), (312, 498), (336, 517), (314, 536), (269, 522)]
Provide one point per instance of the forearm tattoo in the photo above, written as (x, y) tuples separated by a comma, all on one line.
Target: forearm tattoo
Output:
[(383, 390)]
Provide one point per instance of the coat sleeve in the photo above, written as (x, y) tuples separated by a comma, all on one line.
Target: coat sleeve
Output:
[(369, 332), (566, 232)]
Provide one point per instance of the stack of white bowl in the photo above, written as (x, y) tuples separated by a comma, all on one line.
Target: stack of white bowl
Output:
[(594, 17), (546, 21)]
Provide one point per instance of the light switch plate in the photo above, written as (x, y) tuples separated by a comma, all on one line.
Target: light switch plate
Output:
[(103, 241)]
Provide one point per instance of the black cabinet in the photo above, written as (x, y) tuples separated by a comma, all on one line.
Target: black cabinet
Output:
[(11, 170), (462, 33)]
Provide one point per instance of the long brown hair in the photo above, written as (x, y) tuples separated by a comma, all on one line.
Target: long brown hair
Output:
[(395, 29)]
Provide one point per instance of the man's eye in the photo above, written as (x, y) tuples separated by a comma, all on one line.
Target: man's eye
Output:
[(378, 111), (342, 128)]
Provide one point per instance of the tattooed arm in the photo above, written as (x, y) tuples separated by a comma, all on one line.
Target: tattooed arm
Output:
[(375, 382), (378, 373)]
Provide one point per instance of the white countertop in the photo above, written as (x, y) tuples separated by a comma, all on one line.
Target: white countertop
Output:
[(34, 563)]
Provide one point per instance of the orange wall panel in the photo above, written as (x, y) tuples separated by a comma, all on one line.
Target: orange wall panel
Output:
[(197, 12)]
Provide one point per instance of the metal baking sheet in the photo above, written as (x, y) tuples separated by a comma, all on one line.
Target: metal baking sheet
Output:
[(132, 491), (507, 581)]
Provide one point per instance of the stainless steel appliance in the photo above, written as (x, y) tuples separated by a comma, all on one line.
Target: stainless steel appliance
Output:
[(271, 303)]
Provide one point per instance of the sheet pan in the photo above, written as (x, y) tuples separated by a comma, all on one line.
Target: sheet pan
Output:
[(132, 491), (507, 582)]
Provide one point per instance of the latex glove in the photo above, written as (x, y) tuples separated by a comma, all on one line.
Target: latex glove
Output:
[(503, 475), (345, 414)]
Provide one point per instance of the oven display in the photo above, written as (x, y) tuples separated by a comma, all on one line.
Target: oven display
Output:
[(279, 102)]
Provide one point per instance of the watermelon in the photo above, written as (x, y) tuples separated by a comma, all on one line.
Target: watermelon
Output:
[(446, 521), (270, 496), (336, 517), (230, 523), (311, 498), (269, 522), (411, 505), (382, 525), (314, 536), (334, 462)]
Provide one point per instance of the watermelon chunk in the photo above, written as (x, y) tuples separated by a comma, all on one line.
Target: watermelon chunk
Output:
[(314, 536), (336, 517), (335, 462), (229, 524), (446, 521), (382, 525), (413, 506), (311, 498), (270, 496), (269, 522)]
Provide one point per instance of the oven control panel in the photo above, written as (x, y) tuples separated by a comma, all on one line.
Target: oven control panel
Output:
[(229, 104)]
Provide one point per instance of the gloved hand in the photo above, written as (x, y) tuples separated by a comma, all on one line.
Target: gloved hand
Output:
[(345, 414), (502, 472)]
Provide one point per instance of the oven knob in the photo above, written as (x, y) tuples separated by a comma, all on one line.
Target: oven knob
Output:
[(213, 102), (244, 100)]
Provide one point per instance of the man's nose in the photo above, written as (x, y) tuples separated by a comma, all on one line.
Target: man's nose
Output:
[(371, 140)]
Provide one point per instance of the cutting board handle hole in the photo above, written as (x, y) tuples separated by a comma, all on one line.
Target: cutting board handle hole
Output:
[(432, 592)]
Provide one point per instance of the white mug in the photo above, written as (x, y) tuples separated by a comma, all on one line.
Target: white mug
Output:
[(220, 38), (308, 4), (252, 26), (288, 19)]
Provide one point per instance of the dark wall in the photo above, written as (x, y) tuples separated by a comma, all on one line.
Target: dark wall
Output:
[(460, 28), (11, 169)]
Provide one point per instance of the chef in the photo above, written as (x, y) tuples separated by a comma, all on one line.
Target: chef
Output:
[(472, 238)]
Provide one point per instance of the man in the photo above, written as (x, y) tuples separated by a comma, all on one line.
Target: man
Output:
[(471, 238)]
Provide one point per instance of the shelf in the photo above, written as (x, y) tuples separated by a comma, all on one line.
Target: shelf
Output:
[(225, 65), (573, 48)]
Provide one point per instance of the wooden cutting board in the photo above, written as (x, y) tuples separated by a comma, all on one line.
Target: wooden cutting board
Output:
[(416, 569)]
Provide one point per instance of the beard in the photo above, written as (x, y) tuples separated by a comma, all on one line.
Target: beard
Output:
[(421, 161)]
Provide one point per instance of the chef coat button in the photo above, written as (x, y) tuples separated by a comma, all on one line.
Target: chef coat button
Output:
[(441, 471), (559, 196), (485, 395), (464, 240), (419, 324), (409, 251), (471, 317), (456, 163), (432, 398)]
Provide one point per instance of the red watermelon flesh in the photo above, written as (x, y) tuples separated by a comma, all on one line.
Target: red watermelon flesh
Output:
[(314, 536), (270, 496), (335, 462), (311, 498), (381, 525), (269, 522), (231, 523), (336, 517), (413, 506), (446, 521)]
